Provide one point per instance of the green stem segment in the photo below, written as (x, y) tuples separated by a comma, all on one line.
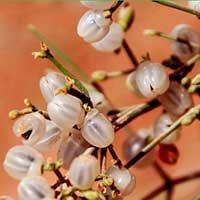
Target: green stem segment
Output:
[(195, 110), (67, 73), (152, 32), (59, 52), (171, 4), (133, 113)]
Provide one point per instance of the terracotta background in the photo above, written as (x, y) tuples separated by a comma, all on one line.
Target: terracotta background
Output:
[(20, 74)]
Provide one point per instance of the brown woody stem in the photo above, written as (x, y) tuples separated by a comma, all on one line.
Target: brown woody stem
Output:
[(130, 54)]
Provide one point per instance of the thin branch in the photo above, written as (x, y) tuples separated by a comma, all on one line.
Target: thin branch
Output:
[(55, 185), (59, 176), (58, 52), (113, 9), (135, 112), (130, 54), (186, 178), (171, 4), (45, 53), (103, 159), (170, 192), (161, 172), (162, 136), (152, 32), (114, 155), (154, 193), (67, 73), (174, 182), (167, 180)]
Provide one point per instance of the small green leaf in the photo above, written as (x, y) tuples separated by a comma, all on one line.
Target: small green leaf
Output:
[(90, 195), (196, 80)]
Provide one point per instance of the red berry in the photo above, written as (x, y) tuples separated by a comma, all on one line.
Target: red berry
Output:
[(168, 153)]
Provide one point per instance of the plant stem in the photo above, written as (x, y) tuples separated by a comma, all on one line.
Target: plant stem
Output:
[(135, 112), (167, 180), (185, 69), (59, 176), (113, 9), (176, 6), (30, 108), (186, 178), (161, 172), (124, 117), (154, 193), (151, 32), (114, 155), (103, 160), (55, 185), (174, 182), (130, 54), (162, 136), (193, 60), (59, 52), (119, 73), (46, 54)]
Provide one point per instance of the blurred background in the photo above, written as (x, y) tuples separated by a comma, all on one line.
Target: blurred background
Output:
[(20, 75)]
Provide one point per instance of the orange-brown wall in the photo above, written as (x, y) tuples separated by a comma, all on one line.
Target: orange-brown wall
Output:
[(20, 73)]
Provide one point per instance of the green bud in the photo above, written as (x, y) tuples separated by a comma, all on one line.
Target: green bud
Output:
[(196, 80), (99, 75), (67, 191), (49, 167), (192, 89), (69, 198), (185, 81), (107, 14), (150, 32), (58, 163), (149, 139), (125, 17), (188, 119), (107, 181), (13, 114), (39, 54), (27, 102), (90, 195)]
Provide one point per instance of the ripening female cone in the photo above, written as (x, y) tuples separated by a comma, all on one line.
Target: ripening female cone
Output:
[(31, 127), (65, 111), (112, 40), (71, 147), (98, 99), (93, 26), (176, 100), (151, 79), (161, 125), (124, 181), (51, 139), (184, 51), (83, 171), (97, 129), (22, 161), (50, 83), (35, 188), (134, 144)]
